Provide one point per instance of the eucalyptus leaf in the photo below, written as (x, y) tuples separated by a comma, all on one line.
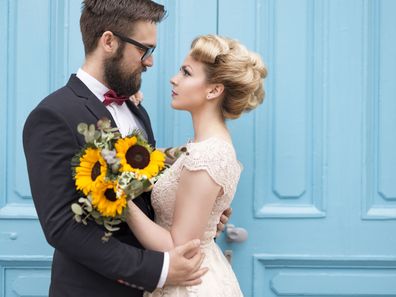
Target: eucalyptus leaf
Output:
[(88, 207), (77, 209), (77, 218), (107, 236), (133, 194), (115, 222), (82, 128), (110, 227), (91, 128), (135, 185), (87, 202), (88, 138), (97, 135), (99, 221), (115, 167), (95, 214), (104, 123), (82, 200)]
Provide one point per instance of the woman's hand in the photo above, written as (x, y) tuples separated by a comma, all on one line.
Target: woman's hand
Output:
[(225, 216), (137, 98)]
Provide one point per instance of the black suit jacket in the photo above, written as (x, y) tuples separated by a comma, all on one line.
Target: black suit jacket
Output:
[(82, 265)]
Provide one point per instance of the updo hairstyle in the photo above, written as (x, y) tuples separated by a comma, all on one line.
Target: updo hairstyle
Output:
[(230, 63)]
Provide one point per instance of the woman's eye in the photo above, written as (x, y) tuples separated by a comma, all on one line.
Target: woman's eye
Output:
[(185, 72)]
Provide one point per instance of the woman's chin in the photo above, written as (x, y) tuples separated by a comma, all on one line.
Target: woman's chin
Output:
[(176, 106)]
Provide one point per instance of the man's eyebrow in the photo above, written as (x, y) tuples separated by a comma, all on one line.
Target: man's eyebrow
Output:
[(149, 44)]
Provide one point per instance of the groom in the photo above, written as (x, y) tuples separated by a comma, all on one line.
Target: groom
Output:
[(119, 38)]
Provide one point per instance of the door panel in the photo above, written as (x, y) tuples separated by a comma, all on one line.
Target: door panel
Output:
[(310, 195)]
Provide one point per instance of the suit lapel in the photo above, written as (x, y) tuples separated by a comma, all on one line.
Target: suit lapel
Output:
[(97, 108), (142, 115), (93, 104)]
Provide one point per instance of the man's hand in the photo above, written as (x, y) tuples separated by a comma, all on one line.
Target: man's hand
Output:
[(185, 265), (223, 221)]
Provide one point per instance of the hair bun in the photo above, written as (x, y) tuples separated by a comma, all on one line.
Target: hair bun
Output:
[(258, 64), (241, 71)]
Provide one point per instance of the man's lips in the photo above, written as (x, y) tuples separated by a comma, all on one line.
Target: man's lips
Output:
[(174, 93)]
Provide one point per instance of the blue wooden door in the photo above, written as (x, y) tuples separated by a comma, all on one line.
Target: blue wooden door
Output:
[(318, 192), (40, 43)]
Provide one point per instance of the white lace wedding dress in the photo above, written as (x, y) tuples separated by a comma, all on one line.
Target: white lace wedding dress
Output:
[(217, 157)]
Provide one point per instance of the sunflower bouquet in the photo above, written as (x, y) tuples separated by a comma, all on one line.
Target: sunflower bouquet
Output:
[(110, 170)]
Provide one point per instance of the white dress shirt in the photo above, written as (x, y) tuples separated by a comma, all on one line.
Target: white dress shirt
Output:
[(126, 122)]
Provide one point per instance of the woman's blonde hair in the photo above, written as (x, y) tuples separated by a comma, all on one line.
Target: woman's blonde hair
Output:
[(230, 63)]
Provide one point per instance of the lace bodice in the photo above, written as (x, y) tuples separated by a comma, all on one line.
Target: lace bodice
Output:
[(217, 157)]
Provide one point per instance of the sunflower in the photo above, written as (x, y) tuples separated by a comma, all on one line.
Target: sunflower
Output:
[(105, 199), (91, 170), (139, 158)]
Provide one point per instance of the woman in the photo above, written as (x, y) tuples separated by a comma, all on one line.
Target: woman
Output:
[(219, 80)]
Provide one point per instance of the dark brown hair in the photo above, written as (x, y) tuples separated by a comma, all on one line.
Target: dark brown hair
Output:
[(119, 16)]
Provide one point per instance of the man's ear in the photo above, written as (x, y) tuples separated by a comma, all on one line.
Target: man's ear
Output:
[(108, 42), (215, 91)]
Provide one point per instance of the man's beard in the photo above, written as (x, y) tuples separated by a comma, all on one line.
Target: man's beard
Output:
[(117, 80)]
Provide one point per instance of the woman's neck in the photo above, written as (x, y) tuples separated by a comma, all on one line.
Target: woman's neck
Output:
[(208, 123)]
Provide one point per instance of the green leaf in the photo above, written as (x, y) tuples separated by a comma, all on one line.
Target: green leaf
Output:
[(136, 185), (82, 128), (110, 227), (106, 237), (97, 135), (77, 209), (115, 222), (77, 218), (82, 199), (95, 214), (104, 123)]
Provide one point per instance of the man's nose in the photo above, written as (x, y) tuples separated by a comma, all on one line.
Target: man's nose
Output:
[(148, 62)]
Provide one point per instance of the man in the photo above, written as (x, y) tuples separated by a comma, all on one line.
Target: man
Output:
[(119, 38)]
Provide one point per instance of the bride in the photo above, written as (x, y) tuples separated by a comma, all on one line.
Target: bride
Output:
[(219, 80)]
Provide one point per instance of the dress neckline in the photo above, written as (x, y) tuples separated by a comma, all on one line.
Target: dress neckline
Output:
[(190, 141)]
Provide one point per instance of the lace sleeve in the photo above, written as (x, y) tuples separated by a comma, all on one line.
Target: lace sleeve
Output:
[(217, 159)]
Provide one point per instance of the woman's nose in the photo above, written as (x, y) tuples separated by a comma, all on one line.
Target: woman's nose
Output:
[(173, 80)]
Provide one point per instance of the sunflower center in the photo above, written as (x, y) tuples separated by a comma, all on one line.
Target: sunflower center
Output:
[(110, 195), (95, 171), (138, 156)]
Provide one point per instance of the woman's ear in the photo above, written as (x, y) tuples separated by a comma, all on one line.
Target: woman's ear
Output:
[(215, 91)]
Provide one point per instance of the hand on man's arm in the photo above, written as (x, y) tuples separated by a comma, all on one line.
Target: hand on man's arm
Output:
[(223, 221), (185, 271)]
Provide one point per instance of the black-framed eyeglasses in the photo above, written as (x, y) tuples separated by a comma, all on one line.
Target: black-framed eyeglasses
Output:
[(148, 51)]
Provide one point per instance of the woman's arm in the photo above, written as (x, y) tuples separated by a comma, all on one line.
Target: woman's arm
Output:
[(195, 198)]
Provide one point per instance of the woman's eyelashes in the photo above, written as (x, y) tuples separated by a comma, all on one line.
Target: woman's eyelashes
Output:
[(185, 72)]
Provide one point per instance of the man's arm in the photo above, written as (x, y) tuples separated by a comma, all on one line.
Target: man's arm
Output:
[(49, 145)]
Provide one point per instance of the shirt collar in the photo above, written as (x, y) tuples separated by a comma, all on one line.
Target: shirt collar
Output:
[(95, 86)]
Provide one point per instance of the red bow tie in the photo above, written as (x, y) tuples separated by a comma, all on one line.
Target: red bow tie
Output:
[(111, 97)]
